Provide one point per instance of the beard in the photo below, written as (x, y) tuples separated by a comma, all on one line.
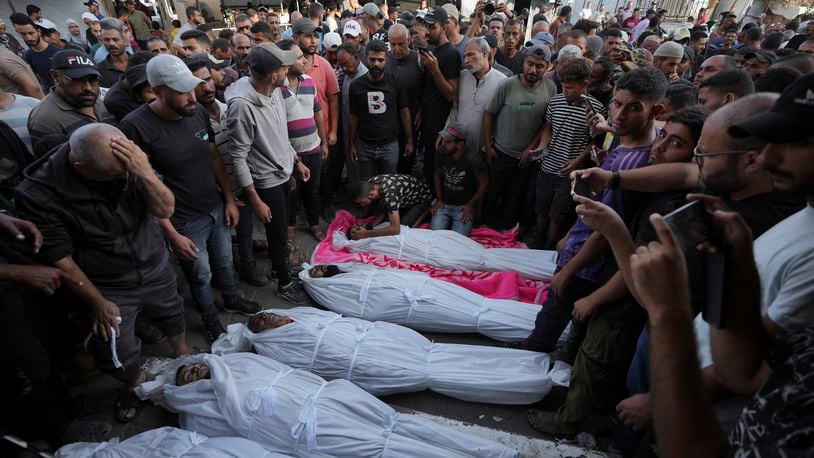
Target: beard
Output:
[(376, 72)]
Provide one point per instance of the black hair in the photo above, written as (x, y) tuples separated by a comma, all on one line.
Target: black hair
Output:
[(575, 70), (613, 33), (744, 50), (315, 9), (201, 37), (140, 57), (607, 67), (331, 271), (776, 79), (793, 25), (681, 94), (376, 46), (565, 11), (358, 189), (735, 81), (286, 45), (31, 9), (226, 34), (800, 61), (753, 34), (241, 18), (348, 48), (176, 23), (693, 118), (698, 34), (21, 19), (262, 27), (577, 33), (586, 25), (772, 41), (783, 52), (190, 11), (646, 82), (731, 29), (221, 44), (178, 373), (196, 63), (156, 39)]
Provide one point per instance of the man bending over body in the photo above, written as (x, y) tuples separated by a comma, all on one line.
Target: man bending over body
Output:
[(402, 199)]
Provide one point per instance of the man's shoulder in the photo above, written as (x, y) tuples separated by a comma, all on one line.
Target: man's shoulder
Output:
[(137, 117)]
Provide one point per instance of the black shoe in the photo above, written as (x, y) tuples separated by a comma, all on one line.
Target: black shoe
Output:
[(147, 331), (213, 329), (241, 305), (249, 274), (293, 293), (85, 431)]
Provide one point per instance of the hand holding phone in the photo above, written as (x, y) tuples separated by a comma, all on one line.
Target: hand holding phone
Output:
[(580, 188), (690, 224)]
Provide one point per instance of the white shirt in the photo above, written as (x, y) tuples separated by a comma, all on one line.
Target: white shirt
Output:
[(468, 108), (634, 34), (586, 13)]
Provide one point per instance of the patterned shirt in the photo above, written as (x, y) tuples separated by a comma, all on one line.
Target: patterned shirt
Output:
[(569, 131), (301, 107), (401, 191)]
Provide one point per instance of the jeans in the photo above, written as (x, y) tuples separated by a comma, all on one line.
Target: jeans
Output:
[(377, 160), (277, 229), (245, 232), (211, 235), (449, 217), (508, 189), (307, 192)]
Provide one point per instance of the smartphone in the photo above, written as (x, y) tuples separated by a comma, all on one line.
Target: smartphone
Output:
[(714, 308), (422, 49), (579, 188), (589, 107), (538, 154), (690, 224)]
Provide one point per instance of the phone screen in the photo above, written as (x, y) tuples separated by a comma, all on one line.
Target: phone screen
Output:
[(588, 105), (579, 188), (690, 224)]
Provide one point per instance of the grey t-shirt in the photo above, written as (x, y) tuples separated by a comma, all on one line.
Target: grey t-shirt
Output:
[(519, 113)]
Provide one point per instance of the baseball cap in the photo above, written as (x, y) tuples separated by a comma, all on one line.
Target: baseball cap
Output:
[(89, 16), (372, 10), (267, 57), (789, 119), (762, 55), (352, 28), (303, 25), (541, 51), (168, 70), (262, 9), (45, 24), (136, 75), (332, 40), (91, 2), (679, 34), (454, 131), (406, 17), (436, 14), (670, 49), (651, 11), (543, 38), (452, 10), (74, 64), (208, 59)]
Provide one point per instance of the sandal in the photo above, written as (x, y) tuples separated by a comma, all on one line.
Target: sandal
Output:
[(547, 423), (318, 233), (127, 400)]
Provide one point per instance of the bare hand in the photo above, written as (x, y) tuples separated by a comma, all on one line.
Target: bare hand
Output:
[(584, 308), (409, 149), (598, 216), (331, 138), (429, 61), (261, 211), (491, 154), (358, 232), (41, 278), (305, 172), (560, 281), (232, 214), (133, 158), (569, 167), (728, 228), (325, 150), (467, 213), (183, 248), (596, 178), (354, 154), (524, 158), (636, 411), (598, 124), (105, 316), (436, 206), (21, 229), (659, 272)]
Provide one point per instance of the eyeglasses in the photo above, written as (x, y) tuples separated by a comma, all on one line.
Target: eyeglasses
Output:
[(699, 154), (93, 80)]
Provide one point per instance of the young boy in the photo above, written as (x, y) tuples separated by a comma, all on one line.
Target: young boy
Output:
[(566, 139)]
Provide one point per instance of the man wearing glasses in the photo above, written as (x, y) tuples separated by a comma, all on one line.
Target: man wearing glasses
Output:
[(73, 102)]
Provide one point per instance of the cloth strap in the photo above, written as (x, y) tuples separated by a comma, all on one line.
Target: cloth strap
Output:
[(359, 339), (319, 341), (114, 355), (401, 238), (483, 309), (427, 248), (364, 290), (413, 296), (263, 397), (307, 421), (388, 431)]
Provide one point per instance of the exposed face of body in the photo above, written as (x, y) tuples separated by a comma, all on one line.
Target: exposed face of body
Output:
[(323, 270), (192, 373), (264, 321)]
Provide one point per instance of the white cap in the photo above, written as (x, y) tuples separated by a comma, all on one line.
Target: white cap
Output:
[(168, 70), (352, 28), (332, 40), (89, 16), (45, 23)]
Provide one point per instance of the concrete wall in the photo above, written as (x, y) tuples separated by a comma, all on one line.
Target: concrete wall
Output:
[(55, 11)]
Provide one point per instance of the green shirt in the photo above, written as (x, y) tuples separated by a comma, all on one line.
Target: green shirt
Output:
[(519, 113), (141, 25)]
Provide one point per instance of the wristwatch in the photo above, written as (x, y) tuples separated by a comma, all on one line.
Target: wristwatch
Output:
[(616, 179)]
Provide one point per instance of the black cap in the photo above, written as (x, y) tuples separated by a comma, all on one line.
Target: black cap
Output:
[(651, 11), (136, 75), (766, 57), (788, 121), (303, 25), (436, 15), (74, 64), (91, 2), (207, 59)]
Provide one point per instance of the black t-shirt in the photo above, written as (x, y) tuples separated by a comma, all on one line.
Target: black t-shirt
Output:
[(380, 34), (410, 74), (377, 105), (515, 64), (119, 102), (459, 178), (180, 152), (434, 106)]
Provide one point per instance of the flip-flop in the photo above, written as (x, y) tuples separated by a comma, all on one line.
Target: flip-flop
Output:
[(127, 400)]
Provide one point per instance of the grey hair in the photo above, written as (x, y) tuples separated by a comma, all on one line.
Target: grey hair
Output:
[(569, 51), (88, 143), (398, 28), (483, 45), (111, 23)]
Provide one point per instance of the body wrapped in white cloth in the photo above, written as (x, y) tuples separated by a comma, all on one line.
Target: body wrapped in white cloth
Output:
[(418, 301), (168, 442), (451, 250), (384, 358), (296, 412)]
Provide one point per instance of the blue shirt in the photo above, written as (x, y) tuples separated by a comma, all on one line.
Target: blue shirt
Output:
[(40, 62), (620, 158)]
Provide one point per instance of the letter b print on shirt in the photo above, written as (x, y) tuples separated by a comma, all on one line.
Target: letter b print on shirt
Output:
[(375, 103)]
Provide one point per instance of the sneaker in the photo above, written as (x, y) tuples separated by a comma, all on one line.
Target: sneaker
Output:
[(293, 293), (147, 331), (241, 305), (212, 330), (249, 274), (86, 431)]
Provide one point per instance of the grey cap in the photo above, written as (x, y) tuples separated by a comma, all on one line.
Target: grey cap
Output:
[(267, 57), (303, 25), (372, 10), (168, 70), (670, 49), (454, 131), (762, 55), (541, 51)]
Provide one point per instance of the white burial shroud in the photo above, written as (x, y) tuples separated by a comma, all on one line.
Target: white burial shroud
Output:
[(299, 413), (418, 301), (384, 358), (451, 250), (168, 442)]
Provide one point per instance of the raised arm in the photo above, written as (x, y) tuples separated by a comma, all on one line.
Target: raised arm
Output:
[(159, 199)]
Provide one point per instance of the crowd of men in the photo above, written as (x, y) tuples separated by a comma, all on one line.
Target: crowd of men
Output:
[(125, 148)]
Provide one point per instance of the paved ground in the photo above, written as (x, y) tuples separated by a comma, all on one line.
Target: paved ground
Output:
[(101, 394)]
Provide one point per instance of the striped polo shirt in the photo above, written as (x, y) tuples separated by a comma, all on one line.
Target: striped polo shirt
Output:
[(300, 108), (569, 131)]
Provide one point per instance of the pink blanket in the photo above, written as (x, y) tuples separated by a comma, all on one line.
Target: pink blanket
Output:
[(495, 285)]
